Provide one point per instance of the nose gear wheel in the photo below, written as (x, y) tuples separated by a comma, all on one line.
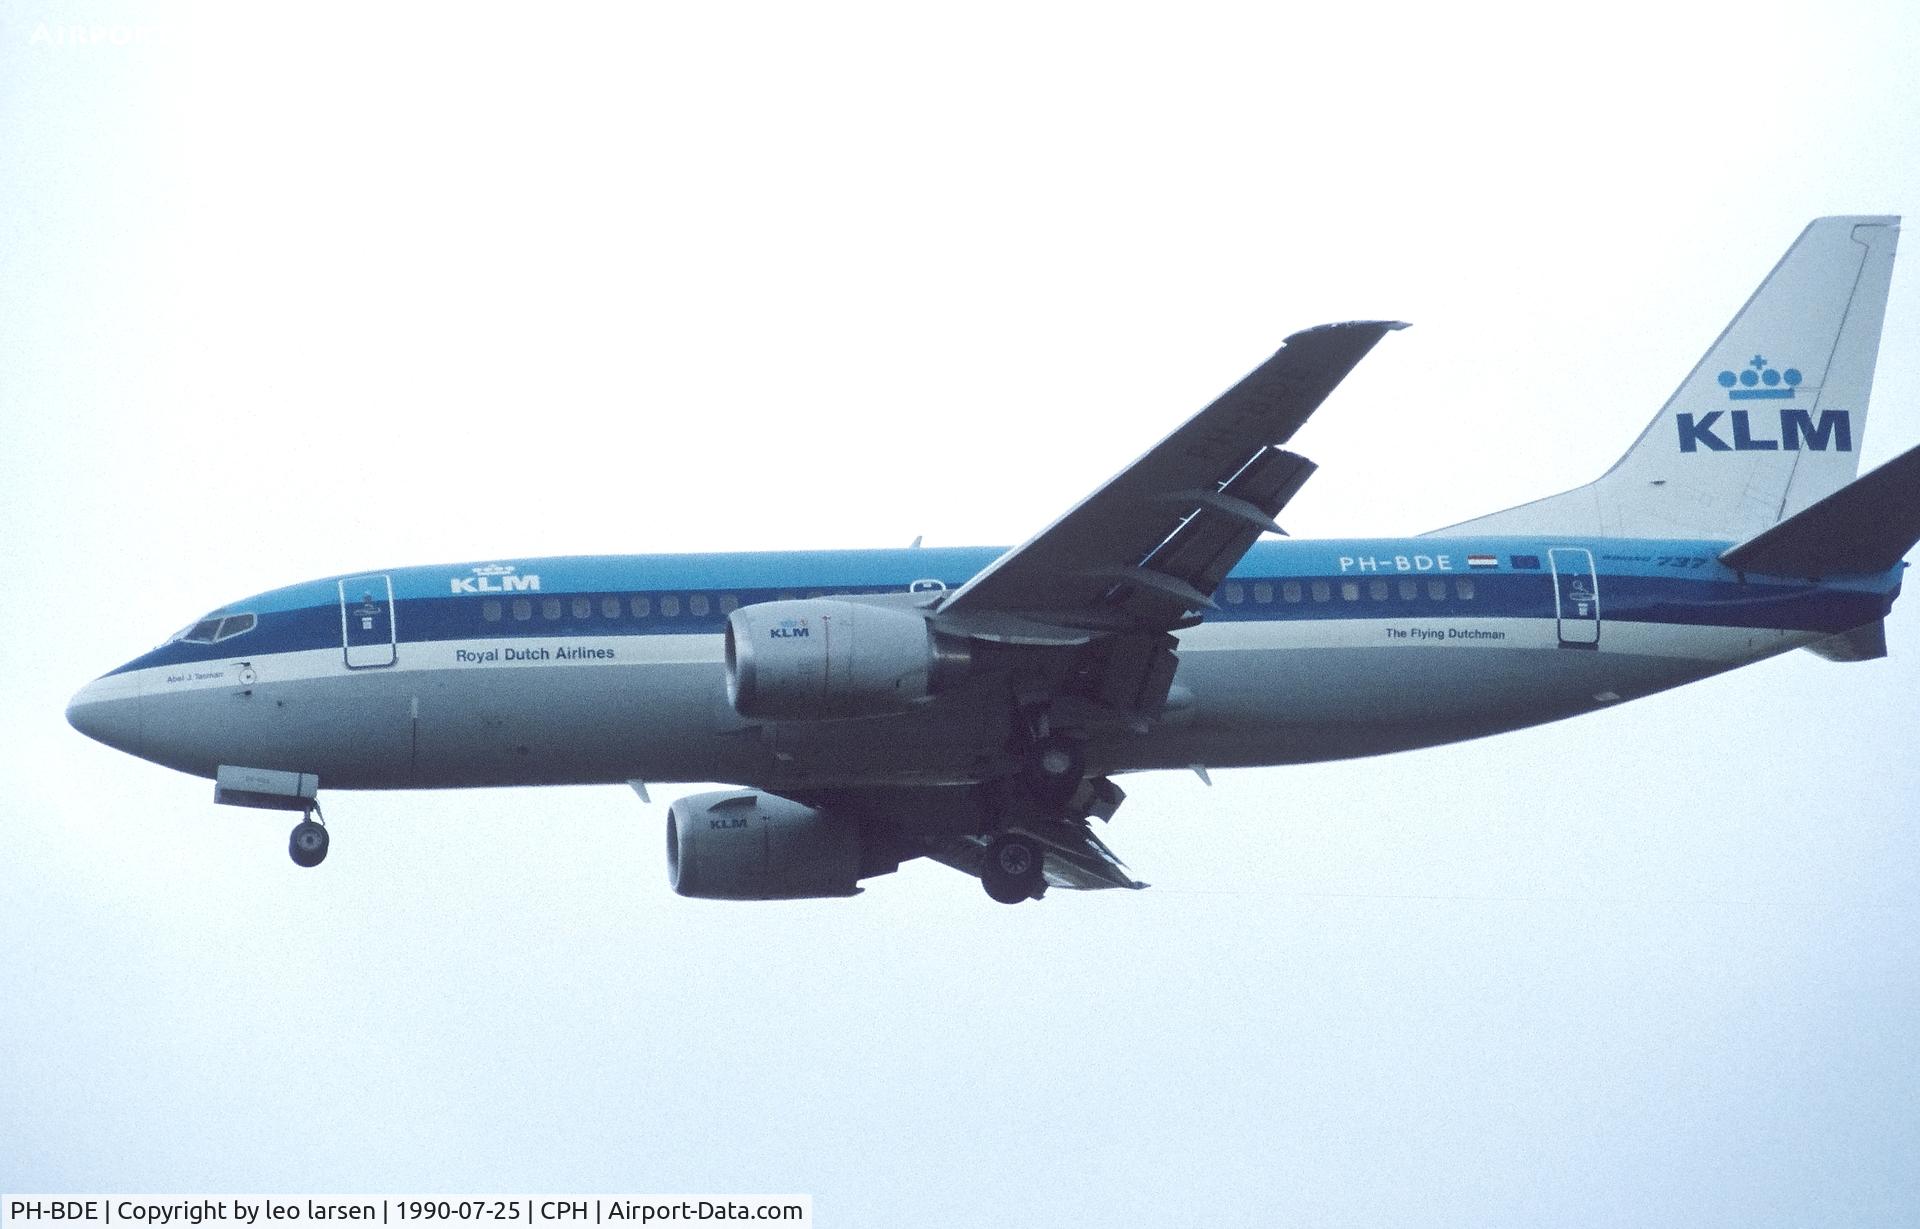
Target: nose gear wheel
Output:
[(307, 846)]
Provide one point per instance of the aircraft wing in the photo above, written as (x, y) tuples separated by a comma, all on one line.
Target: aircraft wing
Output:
[(1145, 552)]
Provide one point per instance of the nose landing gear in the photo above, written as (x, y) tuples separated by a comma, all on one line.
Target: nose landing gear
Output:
[(308, 844)]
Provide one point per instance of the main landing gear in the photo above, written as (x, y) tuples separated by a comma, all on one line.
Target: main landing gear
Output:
[(1054, 767), (1052, 763), (1051, 768), (1014, 869), (308, 844)]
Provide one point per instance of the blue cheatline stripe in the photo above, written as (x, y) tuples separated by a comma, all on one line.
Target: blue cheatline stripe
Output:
[(1496, 594), (895, 569)]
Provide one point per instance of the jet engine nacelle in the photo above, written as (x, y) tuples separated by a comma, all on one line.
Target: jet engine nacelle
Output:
[(820, 658), (746, 845)]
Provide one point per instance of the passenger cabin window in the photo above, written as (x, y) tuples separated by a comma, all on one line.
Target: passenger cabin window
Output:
[(550, 608), (609, 607), (1236, 595), (1290, 591), (583, 608), (522, 609), (1409, 589), (1464, 588), (669, 606), (1377, 590), (1437, 590), (1349, 590), (1263, 592), (697, 604), (729, 603), (1322, 591), (490, 610), (640, 606)]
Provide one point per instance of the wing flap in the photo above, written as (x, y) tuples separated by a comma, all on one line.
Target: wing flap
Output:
[(1220, 528)]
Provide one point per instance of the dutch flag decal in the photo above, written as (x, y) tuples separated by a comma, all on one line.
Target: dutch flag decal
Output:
[(1482, 561)]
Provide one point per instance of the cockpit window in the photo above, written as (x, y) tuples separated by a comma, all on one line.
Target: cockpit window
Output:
[(207, 631), (234, 625)]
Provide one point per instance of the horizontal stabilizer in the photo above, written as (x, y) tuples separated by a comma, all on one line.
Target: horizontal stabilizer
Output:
[(1867, 643), (1863, 528)]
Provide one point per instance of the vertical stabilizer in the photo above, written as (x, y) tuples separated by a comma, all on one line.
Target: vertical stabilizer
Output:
[(1768, 422)]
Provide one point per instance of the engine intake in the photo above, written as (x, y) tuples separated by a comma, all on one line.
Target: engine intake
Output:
[(748, 845), (820, 658)]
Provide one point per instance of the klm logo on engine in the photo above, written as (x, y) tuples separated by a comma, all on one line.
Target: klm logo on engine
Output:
[(789, 629), (496, 578), (1751, 430)]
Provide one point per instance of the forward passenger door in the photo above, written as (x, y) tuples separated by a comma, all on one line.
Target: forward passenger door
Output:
[(366, 622)]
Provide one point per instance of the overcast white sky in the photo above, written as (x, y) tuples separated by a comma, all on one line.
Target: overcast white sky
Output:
[(288, 292)]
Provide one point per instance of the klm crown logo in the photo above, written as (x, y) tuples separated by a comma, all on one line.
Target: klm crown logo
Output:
[(1759, 382), (496, 578), (1796, 429)]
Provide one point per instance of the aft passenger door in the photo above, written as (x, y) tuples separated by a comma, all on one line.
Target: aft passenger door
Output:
[(366, 621), (1576, 597)]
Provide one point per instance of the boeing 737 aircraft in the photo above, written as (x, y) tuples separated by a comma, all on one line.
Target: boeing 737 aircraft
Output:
[(975, 705)]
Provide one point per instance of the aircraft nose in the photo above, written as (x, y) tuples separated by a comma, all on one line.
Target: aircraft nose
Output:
[(107, 710)]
